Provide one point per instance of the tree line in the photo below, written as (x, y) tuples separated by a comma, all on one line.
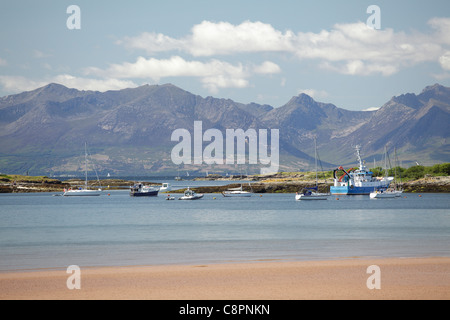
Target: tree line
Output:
[(414, 172)]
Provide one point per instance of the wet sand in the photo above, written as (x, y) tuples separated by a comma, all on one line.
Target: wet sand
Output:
[(400, 278)]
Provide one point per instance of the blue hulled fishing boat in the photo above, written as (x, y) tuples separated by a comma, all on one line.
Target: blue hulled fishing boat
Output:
[(357, 181)]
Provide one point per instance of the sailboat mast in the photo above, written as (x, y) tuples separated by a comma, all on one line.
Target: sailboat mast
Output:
[(315, 156), (85, 164), (385, 162), (395, 168)]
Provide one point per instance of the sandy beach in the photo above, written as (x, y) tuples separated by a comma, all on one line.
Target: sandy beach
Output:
[(399, 278)]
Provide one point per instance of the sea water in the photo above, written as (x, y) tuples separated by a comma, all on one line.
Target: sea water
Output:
[(40, 230)]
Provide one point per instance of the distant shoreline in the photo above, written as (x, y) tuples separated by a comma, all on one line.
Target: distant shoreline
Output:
[(276, 183)]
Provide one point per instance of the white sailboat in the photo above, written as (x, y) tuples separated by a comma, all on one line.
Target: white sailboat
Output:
[(383, 193), (398, 187), (377, 194), (311, 193), (83, 191), (237, 192)]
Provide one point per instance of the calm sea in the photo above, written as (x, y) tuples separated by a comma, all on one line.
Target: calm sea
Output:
[(45, 231)]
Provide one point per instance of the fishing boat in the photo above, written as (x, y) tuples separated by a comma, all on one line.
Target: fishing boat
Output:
[(357, 181), (83, 191), (237, 192), (190, 195), (311, 193), (140, 190)]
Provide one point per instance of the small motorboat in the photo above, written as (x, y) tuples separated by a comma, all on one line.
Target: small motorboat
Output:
[(190, 195), (169, 197)]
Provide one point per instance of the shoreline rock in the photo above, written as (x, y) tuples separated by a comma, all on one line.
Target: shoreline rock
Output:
[(270, 184), (428, 185)]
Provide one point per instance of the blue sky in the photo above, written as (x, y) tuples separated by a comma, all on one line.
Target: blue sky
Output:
[(249, 51)]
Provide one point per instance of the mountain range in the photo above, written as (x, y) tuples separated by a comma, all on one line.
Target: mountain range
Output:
[(128, 131)]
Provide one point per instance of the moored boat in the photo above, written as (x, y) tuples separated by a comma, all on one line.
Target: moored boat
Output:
[(140, 190), (359, 181), (165, 187), (381, 193), (190, 195), (311, 193), (83, 191), (237, 192)]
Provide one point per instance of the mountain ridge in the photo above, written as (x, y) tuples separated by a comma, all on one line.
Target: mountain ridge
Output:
[(130, 129)]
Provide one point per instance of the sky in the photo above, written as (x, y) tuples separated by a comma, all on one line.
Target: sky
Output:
[(248, 50)]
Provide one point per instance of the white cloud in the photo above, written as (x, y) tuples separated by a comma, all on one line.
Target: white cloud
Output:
[(213, 83), (152, 42), (210, 38), (19, 84), (442, 27), (358, 67), (444, 60), (214, 73), (372, 109), (41, 55), (313, 93), (267, 67), (351, 48), (92, 84)]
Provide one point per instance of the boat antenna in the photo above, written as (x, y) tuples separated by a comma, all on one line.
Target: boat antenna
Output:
[(358, 155)]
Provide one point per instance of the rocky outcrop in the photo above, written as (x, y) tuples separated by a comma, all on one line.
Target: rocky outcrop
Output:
[(32, 186), (428, 185)]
